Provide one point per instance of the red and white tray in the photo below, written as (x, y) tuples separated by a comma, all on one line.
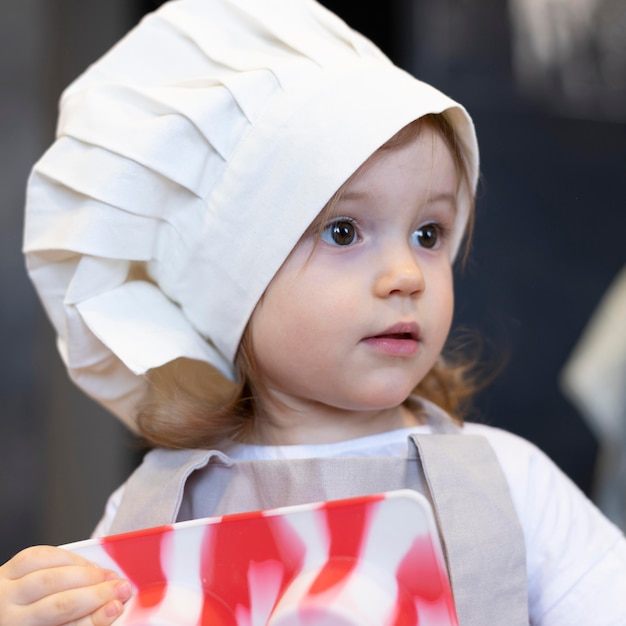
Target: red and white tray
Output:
[(368, 561)]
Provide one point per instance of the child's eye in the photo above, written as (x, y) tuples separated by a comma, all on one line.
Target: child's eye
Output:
[(428, 236), (341, 232)]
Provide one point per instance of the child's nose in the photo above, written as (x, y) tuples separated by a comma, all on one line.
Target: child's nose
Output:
[(400, 274)]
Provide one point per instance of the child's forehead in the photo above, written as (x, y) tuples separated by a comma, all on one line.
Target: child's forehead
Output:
[(424, 151)]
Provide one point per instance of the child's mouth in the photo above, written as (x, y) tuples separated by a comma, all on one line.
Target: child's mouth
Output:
[(398, 336), (400, 339)]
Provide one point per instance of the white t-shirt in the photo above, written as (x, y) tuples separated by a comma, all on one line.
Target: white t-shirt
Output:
[(576, 559)]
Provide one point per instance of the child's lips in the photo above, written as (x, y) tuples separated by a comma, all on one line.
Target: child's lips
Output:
[(401, 339)]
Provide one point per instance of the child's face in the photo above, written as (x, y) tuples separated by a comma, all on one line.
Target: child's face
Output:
[(355, 320)]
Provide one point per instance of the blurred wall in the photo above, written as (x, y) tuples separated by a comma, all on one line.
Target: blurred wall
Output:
[(549, 239)]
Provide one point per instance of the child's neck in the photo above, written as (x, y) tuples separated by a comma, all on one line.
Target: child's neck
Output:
[(316, 425)]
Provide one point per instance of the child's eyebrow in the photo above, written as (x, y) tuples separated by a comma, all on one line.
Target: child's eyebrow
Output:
[(444, 196), (352, 194)]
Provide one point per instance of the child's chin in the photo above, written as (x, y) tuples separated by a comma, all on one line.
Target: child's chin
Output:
[(387, 398)]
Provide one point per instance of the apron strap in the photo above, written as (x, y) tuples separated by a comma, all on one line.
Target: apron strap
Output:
[(483, 539), (154, 492)]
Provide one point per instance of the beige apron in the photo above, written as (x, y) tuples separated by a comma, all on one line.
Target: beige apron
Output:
[(460, 475)]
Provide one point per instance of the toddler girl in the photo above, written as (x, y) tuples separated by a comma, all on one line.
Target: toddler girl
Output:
[(244, 236)]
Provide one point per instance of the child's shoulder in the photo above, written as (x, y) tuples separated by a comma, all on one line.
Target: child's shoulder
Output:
[(508, 446), (532, 476), (574, 554)]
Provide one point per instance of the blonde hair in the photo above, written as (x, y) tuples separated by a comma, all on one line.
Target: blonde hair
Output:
[(190, 405)]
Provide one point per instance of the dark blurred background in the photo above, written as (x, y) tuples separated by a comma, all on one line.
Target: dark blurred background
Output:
[(546, 85)]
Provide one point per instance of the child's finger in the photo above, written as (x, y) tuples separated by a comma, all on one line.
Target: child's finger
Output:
[(103, 616), (46, 582), (40, 557), (97, 605)]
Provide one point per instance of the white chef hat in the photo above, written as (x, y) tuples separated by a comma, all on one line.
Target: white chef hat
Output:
[(188, 162)]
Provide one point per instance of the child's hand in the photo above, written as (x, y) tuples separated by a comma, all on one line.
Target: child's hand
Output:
[(46, 586)]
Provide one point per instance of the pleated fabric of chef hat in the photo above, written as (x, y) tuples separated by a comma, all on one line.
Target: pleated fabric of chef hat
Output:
[(188, 162)]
